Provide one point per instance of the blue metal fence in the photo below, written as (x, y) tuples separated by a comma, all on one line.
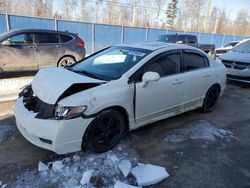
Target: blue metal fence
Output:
[(98, 36), (3, 26)]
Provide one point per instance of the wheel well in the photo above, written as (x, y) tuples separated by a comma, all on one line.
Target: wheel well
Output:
[(123, 111), (216, 85), (73, 57)]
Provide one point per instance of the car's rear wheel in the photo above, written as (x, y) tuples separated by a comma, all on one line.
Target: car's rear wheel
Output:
[(105, 131), (211, 99), (66, 61)]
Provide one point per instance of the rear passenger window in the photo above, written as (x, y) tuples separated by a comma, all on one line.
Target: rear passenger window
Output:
[(47, 38), (194, 61), (65, 38)]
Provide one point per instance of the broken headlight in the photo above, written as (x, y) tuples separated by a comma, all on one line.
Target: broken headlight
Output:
[(68, 112)]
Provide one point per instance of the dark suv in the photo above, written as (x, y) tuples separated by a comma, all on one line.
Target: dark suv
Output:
[(31, 49)]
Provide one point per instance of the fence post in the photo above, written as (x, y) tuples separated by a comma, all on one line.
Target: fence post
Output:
[(56, 24), (146, 37), (122, 35), (7, 21), (212, 39), (223, 40), (93, 38)]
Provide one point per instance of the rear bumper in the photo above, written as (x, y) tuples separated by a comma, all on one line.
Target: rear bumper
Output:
[(60, 136)]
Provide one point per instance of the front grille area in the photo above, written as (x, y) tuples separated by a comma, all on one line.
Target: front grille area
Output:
[(239, 77), (235, 64), (34, 104)]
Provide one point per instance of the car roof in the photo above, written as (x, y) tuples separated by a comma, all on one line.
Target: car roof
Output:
[(154, 46), (17, 31)]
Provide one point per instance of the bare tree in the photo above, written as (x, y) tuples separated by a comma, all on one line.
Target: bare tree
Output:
[(242, 23)]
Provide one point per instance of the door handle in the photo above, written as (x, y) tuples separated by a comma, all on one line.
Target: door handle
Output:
[(206, 74), (58, 46), (177, 81)]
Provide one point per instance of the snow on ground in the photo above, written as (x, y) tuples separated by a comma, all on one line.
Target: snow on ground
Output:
[(92, 170), (70, 172), (198, 130), (10, 87), (6, 131)]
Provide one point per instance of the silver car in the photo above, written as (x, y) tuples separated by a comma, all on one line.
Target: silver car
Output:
[(31, 49)]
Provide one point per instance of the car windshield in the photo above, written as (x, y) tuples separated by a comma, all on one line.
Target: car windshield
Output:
[(167, 38), (243, 47), (231, 44), (111, 63)]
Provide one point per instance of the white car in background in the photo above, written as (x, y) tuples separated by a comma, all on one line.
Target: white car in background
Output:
[(225, 48), (96, 101), (237, 62)]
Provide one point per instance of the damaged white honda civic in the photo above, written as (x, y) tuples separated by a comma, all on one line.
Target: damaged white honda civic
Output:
[(93, 103)]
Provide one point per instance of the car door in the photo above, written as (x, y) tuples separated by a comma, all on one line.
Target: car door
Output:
[(19, 54), (163, 97), (49, 49), (197, 77)]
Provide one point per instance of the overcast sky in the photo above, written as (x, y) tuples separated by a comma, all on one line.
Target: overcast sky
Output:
[(232, 6)]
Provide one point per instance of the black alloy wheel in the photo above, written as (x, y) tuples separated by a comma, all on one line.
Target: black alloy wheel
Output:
[(211, 99), (105, 131)]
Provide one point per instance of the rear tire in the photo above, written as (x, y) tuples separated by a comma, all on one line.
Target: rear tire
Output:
[(211, 99), (66, 61), (105, 131)]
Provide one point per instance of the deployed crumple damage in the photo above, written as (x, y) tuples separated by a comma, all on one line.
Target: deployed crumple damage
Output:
[(47, 79)]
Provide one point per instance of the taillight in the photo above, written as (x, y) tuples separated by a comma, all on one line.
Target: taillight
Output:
[(80, 43)]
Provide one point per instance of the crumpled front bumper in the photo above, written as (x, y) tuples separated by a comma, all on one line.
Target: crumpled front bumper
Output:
[(60, 136)]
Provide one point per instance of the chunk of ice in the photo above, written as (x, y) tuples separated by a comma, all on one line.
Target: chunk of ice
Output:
[(76, 158), (113, 157), (57, 165), (148, 174), (42, 167), (125, 167), (86, 177), (119, 184)]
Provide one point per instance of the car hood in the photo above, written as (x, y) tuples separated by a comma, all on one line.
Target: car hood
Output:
[(53, 84), (226, 48), (236, 56)]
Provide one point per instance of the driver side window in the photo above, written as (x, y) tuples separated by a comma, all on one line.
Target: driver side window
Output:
[(21, 39), (165, 64)]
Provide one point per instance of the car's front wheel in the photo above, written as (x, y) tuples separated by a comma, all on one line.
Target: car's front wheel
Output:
[(105, 131), (211, 99), (66, 61)]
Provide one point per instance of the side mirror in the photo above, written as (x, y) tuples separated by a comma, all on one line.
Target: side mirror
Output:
[(150, 77), (179, 42), (6, 43)]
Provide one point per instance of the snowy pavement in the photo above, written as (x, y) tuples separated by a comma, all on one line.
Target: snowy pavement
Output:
[(93, 170), (198, 130), (10, 87)]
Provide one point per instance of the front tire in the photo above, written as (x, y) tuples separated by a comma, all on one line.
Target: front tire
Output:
[(211, 99), (105, 131)]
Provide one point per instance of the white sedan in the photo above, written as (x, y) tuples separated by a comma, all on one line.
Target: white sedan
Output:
[(96, 101)]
